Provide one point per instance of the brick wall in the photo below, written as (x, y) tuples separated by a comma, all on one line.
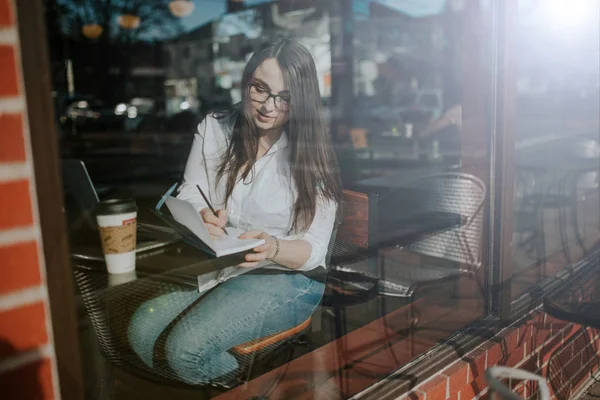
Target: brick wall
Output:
[(564, 354), (27, 361)]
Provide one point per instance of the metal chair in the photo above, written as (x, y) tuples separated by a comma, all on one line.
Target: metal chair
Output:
[(110, 310), (556, 187), (528, 221), (449, 192), (348, 288), (504, 380), (110, 307)]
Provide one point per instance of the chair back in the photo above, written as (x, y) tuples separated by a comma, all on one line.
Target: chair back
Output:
[(459, 193), (350, 236), (504, 382), (331, 244), (528, 183), (354, 224)]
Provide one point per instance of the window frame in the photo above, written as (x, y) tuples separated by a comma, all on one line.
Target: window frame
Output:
[(498, 271), (502, 153), (46, 169)]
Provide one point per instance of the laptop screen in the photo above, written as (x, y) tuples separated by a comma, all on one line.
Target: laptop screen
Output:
[(80, 197)]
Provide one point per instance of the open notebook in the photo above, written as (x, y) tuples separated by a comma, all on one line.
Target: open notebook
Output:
[(188, 223)]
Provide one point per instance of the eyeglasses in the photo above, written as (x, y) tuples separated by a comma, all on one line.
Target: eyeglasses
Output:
[(262, 95)]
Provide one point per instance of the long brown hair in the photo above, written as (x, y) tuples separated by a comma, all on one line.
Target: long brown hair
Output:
[(313, 163)]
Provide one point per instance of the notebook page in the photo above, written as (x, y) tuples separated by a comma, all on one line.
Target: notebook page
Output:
[(230, 245), (185, 213)]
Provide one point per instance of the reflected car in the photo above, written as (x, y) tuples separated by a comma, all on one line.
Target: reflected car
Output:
[(89, 114)]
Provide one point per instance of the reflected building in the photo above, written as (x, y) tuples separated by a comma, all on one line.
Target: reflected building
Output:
[(210, 59), (188, 69)]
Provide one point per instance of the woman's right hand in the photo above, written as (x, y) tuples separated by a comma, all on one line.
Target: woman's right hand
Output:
[(213, 224)]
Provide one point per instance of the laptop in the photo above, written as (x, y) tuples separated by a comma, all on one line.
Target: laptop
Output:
[(80, 199)]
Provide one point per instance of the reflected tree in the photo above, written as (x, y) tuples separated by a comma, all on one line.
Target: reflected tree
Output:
[(104, 35), (153, 19)]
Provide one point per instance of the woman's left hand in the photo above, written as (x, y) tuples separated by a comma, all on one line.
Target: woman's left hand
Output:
[(261, 252)]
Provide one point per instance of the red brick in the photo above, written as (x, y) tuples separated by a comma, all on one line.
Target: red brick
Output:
[(495, 355), (593, 365), (469, 391), (526, 336), (593, 332), (572, 330), (6, 15), (509, 352), (476, 361), (532, 389), (520, 389), (549, 348), (515, 356), (435, 388), (8, 72), (457, 374), (553, 320), (544, 371), (542, 332), (529, 365), (32, 381), (537, 317), (565, 369), (20, 267), (511, 339), (588, 350), (564, 393), (477, 372), (579, 341), (22, 328), (13, 146), (16, 204), (572, 366), (415, 395), (590, 360)]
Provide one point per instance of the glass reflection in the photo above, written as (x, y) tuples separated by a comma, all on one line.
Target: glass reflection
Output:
[(405, 108), (557, 153)]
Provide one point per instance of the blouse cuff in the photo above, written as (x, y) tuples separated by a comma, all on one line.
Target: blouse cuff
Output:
[(317, 253)]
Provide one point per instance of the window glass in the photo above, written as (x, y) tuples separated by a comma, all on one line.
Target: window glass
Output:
[(556, 198), (346, 141)]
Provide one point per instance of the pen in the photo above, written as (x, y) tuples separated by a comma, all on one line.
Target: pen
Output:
[(210, 206)]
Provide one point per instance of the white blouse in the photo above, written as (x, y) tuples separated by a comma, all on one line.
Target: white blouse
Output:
[(264, 201)]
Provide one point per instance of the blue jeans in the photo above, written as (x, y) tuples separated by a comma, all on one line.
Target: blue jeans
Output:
[(239, 310)]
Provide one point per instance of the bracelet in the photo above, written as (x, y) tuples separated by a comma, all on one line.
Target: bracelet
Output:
[(276, 249)]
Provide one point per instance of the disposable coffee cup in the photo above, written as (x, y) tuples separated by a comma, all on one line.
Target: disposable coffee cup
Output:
[(119, 279), (117, 223)]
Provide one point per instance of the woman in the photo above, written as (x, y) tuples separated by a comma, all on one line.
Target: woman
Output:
[(269, 168)]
